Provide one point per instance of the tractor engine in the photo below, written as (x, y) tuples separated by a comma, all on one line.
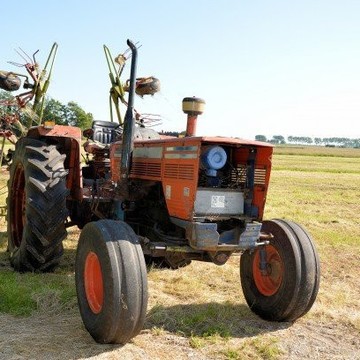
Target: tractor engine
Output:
[(188, 198), (207, 193)]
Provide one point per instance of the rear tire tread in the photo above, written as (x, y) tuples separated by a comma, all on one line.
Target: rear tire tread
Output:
[(42, 167)]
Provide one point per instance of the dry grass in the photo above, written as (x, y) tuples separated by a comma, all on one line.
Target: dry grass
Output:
[(316, 151), (199, 311), (327, 203)]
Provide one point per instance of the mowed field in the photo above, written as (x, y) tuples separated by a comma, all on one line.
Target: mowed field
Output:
[(199, 312)]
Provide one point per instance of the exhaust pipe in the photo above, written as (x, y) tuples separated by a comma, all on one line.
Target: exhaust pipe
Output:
[(129, 121)]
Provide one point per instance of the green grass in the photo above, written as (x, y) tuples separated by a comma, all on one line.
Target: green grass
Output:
[(264, 348), (316, 151), (202, 321), (317, 164), (23, 294), (325, 202)]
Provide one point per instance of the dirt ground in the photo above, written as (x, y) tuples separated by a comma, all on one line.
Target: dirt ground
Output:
[(47, 336)]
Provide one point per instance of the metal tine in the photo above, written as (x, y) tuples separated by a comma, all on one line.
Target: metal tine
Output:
[(150, 119), (26, 55), (34, 63), (15, 64)]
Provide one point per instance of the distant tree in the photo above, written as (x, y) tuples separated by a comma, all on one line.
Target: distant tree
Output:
[(76, 116), (260, 138), (356, 143), (13, 109), (300, 140), (278, 139), (307, 140), (170, 133), (4, 95), (55, 110), (290, 139), (318, 141), (340, 141), (70, 114), (329, 141)]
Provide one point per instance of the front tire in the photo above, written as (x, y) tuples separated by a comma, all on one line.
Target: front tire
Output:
[(111, 281), (36, 206), (288, 287)]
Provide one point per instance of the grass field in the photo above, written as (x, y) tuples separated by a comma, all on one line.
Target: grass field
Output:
[(199, 311)]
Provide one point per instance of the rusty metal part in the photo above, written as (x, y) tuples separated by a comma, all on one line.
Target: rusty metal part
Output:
[(36, 89), (11, 126), (266, 236), (9, 81), (219, 257), (145, 86)]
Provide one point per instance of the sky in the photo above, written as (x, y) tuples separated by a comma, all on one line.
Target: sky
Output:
[(279, 67)]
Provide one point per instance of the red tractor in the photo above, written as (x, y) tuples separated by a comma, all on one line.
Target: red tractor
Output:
[(144, 196)]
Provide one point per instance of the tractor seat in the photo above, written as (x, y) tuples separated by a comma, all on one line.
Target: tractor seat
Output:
[(104, 132), (100, 136)]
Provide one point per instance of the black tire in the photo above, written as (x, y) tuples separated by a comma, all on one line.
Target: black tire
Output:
[(111, 281), (36, 204), (290, 286)]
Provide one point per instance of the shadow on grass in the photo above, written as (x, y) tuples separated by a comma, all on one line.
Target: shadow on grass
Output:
[(225, 320)]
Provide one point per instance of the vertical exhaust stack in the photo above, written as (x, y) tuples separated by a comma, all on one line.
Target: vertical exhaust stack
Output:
[(129, 121), (192, 106)]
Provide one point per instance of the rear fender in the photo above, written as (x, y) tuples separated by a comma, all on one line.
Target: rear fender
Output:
[(68, 139)]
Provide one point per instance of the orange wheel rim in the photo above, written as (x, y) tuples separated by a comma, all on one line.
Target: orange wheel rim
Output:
[(93, 279), (268, 282)]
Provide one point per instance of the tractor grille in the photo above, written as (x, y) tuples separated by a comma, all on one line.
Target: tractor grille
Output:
[(260, 175), (238, 175), (146, 169), (179, 171)]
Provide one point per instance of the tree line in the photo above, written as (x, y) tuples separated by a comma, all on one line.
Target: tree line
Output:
[(305, 140), (74, 115)]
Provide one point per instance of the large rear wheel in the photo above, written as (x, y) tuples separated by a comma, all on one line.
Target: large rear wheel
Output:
[(286, 287), (36, 206), (111, 281)]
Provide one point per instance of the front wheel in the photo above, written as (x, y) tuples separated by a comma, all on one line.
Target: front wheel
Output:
[(111, 281), (285, 287)]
